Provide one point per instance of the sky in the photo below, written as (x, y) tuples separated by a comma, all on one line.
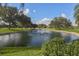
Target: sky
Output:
[(45, 12)]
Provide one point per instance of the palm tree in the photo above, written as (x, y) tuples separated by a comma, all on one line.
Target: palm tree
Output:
[(0, 4), (5, 4), (22, 5), (8, 14), (22, 8), (76, 14)]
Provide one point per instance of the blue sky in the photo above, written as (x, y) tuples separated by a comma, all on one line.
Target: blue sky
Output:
[(39, 11)]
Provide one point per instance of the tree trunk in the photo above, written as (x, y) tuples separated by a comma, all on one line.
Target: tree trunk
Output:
[(9, 26)]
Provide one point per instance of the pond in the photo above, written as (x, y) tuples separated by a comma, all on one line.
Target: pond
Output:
[(33, 38)]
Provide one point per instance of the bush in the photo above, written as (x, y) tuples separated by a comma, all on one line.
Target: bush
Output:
[(58, 47), (53, 47)]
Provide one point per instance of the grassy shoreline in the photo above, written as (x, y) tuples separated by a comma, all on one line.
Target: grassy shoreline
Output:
[(20, 51), (13, 30), (71, 31)]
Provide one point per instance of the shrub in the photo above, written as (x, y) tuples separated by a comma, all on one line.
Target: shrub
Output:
[(58, 47)]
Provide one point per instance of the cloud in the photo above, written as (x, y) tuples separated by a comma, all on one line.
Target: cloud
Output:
[(63, 15), (44, 21), (26, 11), (34, 11)]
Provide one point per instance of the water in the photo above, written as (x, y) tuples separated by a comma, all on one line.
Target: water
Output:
[(34, 38)]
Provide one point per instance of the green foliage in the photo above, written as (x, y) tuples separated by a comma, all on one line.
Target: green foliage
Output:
[(23, 21), (60, 22), (42, 26), (58, 47), (76, 14), (8, 13), (53, 47), (14, 17)]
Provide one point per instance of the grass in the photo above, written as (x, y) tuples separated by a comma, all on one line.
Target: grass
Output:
[(20, 51), (12, 30), (76, 30), (6, 30)]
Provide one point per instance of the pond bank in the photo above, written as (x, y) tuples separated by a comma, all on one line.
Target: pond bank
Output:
[(13, 30), (20, 51), (67, 32), (16, 30)]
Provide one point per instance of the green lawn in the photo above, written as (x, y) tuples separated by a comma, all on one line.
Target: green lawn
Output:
[(6, 30), (20, 51), (76, 30)]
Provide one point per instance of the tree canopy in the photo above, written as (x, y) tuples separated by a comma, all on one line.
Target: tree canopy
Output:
[(12, 16), (60, 22), (76, 14)]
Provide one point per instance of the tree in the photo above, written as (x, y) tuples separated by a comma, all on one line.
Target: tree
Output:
[(21, 9), (13, 17), (5, 4), (22, 5), (0, 4), (60, 22), (76, 14), (8, 14), (34, 25), (42, 26), (24, 21)]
